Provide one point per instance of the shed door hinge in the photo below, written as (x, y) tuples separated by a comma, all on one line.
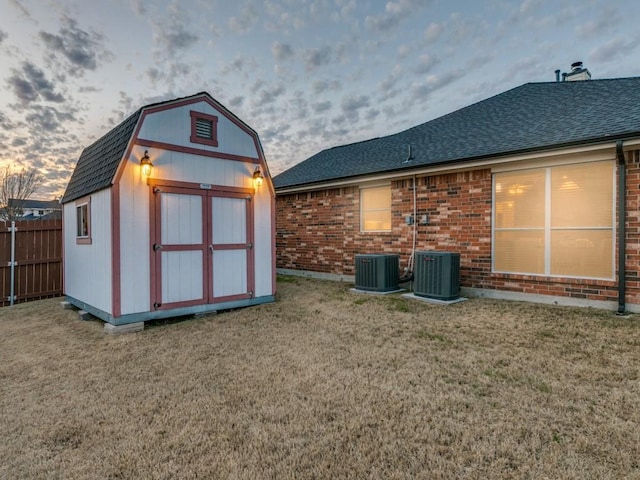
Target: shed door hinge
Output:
[(157, 190), (249, 246), (157, 305), (157, 247)]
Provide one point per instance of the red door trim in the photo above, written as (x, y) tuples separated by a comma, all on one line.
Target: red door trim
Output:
[(205, 187), (250, 273), (156, 255)]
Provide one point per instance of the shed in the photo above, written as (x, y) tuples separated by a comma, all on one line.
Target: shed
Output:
[(170, 213)]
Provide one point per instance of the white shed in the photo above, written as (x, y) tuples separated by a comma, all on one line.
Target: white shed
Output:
[(194, 234)]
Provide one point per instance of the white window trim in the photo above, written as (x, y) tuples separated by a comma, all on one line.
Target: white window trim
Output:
[(83, 239), (376, 185), (547, 227)]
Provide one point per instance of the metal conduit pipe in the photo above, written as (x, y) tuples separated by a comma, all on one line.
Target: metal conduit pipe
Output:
[(622, 231)]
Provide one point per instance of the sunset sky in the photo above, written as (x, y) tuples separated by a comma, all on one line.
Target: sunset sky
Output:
[(306, 75)]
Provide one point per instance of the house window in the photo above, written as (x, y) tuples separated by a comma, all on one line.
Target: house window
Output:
[(555, 221), (204, 129), (375, 209), (83, 222)]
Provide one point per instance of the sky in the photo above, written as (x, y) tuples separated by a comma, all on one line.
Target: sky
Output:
[(305, 74)]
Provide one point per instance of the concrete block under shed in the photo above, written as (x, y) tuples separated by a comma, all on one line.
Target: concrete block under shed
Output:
[(84, 315), (121, 329), (67, 306)]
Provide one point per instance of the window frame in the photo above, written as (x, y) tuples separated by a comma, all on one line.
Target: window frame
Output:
[(363, 211), (79, 206), (548, 229), (195, 116)]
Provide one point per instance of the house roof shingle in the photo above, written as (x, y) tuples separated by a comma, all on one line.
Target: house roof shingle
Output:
[(534, 116)]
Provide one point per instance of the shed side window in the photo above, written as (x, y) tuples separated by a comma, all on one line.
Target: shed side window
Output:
[(556, 221), (204, 129), (375, 209), (83, 222)]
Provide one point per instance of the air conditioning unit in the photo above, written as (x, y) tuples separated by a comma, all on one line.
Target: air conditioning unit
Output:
[(437, 275), (377, 272)]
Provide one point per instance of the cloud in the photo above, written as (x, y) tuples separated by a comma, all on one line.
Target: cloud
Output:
[(5, 122), (138, 7), (281, 51), (173, 33), (320, 107), (236, 101), (20, 8), (395, 13), (317, 57), (403, 51), (45, 119), (422, 90), (321, 86), (528, 6), (3, 36), (605, 21), (268, 95), (245, 22), (426, 64), (80, 48), (351, 106), (177, 39), (614, 49), (433, 32), (372, 114), (31, 84)]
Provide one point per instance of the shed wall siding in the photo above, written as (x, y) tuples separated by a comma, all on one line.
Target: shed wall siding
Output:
[(263, 236), (87, 268), (173, 126), (135, 277), (319, 231), (185, 167)]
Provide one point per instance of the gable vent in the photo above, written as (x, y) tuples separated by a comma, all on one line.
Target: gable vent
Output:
[(204, 128)]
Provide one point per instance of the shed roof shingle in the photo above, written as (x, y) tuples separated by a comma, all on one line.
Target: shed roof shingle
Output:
[(99, 162), (534, 116)]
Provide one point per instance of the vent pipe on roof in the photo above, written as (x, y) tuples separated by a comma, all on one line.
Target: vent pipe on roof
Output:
[(557, 75), (409, 155)]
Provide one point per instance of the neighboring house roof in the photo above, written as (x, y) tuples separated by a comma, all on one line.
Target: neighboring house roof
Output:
[(35, 204), (55, 215), (534, 116)]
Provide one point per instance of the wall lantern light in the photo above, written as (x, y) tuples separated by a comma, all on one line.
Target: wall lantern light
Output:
[(145, 164), (257, 177)]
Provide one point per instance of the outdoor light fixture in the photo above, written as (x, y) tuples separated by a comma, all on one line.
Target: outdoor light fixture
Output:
[(145, 164), (257, 177)]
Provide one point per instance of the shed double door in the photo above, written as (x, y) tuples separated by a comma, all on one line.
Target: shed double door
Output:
[(202, 250)]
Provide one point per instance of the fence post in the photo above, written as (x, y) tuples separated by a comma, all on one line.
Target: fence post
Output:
[(13, 262)]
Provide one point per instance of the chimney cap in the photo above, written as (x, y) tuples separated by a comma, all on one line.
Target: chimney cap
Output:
[(576, 65)]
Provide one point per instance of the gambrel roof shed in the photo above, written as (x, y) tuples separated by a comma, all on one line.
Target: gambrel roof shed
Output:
[(194, 235), (529, 118)]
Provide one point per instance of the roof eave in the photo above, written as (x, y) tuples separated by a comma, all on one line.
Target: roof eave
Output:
[(469, 163)]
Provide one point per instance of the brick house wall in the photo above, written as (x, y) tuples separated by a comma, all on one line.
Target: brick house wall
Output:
[(320, 232)]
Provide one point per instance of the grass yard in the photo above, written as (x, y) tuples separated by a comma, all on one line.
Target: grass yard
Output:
[(323, 384)]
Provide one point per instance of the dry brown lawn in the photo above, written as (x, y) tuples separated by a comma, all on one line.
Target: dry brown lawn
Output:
[(324, 383)]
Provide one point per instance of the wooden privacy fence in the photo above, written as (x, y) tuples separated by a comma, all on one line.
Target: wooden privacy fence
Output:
[(37, 271)]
